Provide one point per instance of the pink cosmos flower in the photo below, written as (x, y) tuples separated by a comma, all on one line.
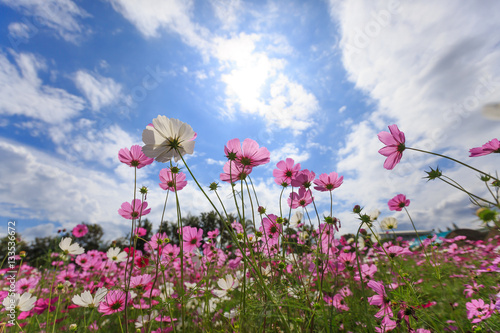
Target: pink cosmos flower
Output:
[(380, 299), (394, 251), (286, 172), (134, 157), (489, 147), (398, 202), (302, 199), (478, 310), (157, 241), (272, 228), (235, 173), (172, 181), (80, 230), (26, 284), (140, 232), (134, 209), (347, 258), (395, 145), (248, 154), (213, 234), (192, 238), (328, 182), (472, 289), (303, 179), (141, 281), (113, 302), (386, 325)]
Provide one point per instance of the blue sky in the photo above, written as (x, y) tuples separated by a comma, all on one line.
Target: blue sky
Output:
[(314, 81)]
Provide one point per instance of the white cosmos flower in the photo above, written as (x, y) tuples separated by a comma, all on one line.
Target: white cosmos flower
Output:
[(116, 254), (374, 214), (69, 248), (296, 219), (87, 301), (168, 138), (303, 235), (227, 284), (22, 302), (141, 320), (389, 223), (232, 314)]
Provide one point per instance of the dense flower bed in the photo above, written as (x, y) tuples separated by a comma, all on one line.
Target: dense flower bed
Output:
[(283, 271)]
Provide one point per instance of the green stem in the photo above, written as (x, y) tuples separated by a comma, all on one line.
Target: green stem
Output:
[(452, 159)]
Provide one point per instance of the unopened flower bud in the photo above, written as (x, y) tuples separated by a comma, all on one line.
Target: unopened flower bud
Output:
[(357, 209)]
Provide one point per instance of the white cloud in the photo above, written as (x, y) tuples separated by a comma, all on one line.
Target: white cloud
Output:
[(212, 161), (61, 15), (227, 12), (429, 66), (19, 30), (256, 83), (38, 101), (150, 16), (97, 144), (100, 91), (342, 109), (68, 193), (289, 150), (39, 231)]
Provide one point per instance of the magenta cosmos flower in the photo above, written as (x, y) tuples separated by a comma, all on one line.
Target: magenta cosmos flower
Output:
[(234, 171), (303, 179), (489, 147), (192, 238), (113, 302), (80, 230), (328, 182), (134, 209), (478, 310), (380, 299), (395, 145), (248, 154), (286, 172), (172, 181), (398, 202), (302, 199), (134, 157), (271, 226)]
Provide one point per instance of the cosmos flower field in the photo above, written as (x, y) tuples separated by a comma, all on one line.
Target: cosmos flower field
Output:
[(283, 271)]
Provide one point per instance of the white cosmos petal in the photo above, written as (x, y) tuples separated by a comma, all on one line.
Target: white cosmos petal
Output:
[(26, 302), (158, 139), (99, 295)]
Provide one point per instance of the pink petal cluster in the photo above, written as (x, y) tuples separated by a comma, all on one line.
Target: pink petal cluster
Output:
[(192, 238), (80, 230), (134, 157), (113, 302), (249, 153), (328, 182), (172, 181), (478, 310), (398, 202), (285, 172), (234, 171), (489, 147), (134, 210), (302, 199), (395, 145)]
